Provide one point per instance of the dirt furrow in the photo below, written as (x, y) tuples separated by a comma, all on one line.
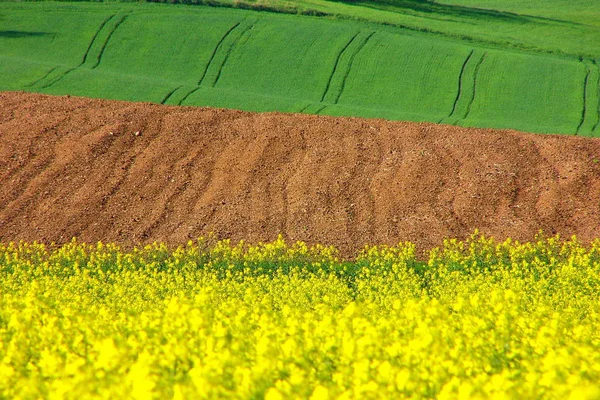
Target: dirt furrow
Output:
[(76, 167)]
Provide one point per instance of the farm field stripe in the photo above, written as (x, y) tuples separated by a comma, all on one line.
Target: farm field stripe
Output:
[(168, 96), (350, 63), (335, 65), (105, 44), (475, 74), (459, 91), (212, 56), (231, 47)]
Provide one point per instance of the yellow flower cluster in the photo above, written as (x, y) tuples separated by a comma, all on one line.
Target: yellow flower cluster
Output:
[(212, 320)]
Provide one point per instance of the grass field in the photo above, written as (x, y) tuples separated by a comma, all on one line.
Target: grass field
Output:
[(263, 61)]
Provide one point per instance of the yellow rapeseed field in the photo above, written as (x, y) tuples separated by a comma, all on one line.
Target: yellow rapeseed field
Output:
[(212, 320)]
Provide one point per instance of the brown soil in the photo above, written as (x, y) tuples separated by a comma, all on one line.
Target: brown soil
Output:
[(75, 167)]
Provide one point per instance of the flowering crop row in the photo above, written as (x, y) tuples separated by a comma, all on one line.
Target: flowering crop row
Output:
[(278, 321)]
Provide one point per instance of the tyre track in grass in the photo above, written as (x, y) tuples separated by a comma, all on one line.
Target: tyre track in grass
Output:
[(86, 59), (590, 100), (350, 64), (459, 91), (335, 65), (71, 166), (586, 81), (170, 94), (110, 35), (211, 60), (474, 92), (230, 49), (215, 50), (42, 78), (102, 25), (596, 127)]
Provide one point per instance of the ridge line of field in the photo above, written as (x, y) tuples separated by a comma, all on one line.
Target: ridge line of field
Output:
[(103, 49), (335, 65), (459, 91), (350, 63), (231, 47)]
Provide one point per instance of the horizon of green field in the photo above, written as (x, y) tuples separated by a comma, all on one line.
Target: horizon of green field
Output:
[(262, 61)]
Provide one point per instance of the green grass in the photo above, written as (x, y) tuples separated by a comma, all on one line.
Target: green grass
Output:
[(554, 26), (263, 61)]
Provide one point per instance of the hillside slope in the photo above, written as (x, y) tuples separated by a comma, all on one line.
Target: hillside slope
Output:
[(259, 61), (76, 167)]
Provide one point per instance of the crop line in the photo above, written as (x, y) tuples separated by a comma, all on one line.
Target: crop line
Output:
[(335, 65), (164, 100), (214, 52), (112, 32), (350, 63), (475, 75), (233, 44), (42, 78), (460, 83), (102, 25), (585, 94)]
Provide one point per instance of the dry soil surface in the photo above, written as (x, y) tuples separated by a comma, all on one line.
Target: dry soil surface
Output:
[(134, 173)]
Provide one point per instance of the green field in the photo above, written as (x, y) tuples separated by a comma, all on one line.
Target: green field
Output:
[(512, 66)]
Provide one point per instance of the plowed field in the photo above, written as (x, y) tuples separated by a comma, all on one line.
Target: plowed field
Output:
[(139, 172)]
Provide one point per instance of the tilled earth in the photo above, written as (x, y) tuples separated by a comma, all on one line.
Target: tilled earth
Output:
[(135, 173)]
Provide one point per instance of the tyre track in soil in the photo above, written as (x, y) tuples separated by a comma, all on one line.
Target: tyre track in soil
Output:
[(340, 181)]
